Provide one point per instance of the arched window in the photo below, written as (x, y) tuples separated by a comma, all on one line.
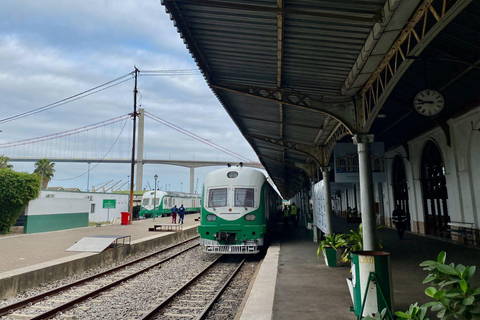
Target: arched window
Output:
[(400, 188), (434, 190)]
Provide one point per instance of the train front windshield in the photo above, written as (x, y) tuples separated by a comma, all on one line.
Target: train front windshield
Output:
[(244, 197), (217, 198)]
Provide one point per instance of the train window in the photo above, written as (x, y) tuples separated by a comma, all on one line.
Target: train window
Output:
[(146, 202), (165, 202), (217, 198), (232, 174), (244, 197)]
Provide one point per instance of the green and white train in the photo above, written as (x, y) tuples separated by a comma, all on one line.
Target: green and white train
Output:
[(239, 207), (165, 201)]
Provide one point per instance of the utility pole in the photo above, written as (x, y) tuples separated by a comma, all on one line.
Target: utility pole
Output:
[(132, 171)]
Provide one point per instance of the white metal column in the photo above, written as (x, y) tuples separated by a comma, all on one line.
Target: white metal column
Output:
[(370, 236)]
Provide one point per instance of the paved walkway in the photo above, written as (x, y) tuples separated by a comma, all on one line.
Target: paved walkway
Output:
[(27, 250), (307, 289)]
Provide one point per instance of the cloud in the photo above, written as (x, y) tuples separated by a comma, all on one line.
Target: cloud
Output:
[(50, 50)]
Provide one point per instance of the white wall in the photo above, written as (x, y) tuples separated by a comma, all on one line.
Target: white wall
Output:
[(462, 171), (47, 206), (100, 214)]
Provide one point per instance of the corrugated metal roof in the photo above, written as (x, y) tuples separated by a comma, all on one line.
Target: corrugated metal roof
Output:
[(238, 42), (311, 48)]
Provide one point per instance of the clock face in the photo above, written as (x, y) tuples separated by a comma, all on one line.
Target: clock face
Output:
[(428, 102)]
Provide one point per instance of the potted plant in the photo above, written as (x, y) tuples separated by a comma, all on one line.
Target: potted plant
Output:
[(353, 216), (354, 242), (332, 248)]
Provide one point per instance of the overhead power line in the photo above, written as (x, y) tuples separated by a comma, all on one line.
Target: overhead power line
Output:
[(77, 96), (196, 137), (104, 86)]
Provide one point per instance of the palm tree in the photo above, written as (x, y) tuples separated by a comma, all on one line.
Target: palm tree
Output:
[(44, 168), (4, 162)]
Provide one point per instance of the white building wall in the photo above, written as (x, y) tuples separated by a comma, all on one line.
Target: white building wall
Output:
[(99, 214), (462, 171), (48, 206)]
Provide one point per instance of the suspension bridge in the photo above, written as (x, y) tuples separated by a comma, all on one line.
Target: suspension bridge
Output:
[(110, 141)]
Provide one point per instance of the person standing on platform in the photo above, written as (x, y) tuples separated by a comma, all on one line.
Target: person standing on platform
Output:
[(399, 218), (174, 214), (181, 213), (286, 216), (294, 215)]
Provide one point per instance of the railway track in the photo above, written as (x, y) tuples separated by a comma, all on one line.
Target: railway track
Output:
[(51, 303), (196, 297)]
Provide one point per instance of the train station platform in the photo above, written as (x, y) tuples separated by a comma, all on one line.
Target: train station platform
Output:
[(292, 283), (27, 260), (303, 287)]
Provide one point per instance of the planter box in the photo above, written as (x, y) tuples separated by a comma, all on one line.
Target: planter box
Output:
[(379, 294), (354, 220), (333, 257)]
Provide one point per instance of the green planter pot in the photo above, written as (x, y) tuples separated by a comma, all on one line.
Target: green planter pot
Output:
[(332, 257)]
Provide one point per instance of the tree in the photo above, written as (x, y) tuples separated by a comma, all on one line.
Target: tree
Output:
[(44, 168), (4, 162), (16, 190)]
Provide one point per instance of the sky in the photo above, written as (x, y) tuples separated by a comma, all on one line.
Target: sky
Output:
[(51, 50)]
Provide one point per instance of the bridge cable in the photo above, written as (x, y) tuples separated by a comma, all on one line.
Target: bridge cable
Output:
[(65, 133), (96, 164)]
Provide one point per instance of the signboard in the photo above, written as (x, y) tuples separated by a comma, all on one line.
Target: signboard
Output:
[(109, 203), (320, 209), (346, 162)]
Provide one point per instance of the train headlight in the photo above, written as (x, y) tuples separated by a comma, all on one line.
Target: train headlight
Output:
[(211, 217), (250, 217)]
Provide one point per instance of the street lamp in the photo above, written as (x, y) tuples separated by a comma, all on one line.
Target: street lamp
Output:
[(181, 186), (155, 196)]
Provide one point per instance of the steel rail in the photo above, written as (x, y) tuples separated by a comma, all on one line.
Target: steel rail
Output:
[(55, 311), (207, 308), (152, 313), (23, 303)]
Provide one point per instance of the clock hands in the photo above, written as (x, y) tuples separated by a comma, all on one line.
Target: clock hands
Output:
[(423, 101)]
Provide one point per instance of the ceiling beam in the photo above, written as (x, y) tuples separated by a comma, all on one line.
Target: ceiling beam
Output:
[(409, 45), (278, 122), (342, 109), (317, 153)]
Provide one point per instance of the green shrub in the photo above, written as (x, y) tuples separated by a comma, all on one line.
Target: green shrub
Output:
[(455, 297), (16, 190)]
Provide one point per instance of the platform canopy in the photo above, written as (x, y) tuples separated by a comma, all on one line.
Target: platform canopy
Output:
[(296, 76)]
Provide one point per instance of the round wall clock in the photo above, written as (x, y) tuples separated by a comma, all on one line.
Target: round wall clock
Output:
[(428, 102)]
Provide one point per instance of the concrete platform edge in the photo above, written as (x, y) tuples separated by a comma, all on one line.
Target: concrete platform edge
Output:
[(14, 282), (259, 305)]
